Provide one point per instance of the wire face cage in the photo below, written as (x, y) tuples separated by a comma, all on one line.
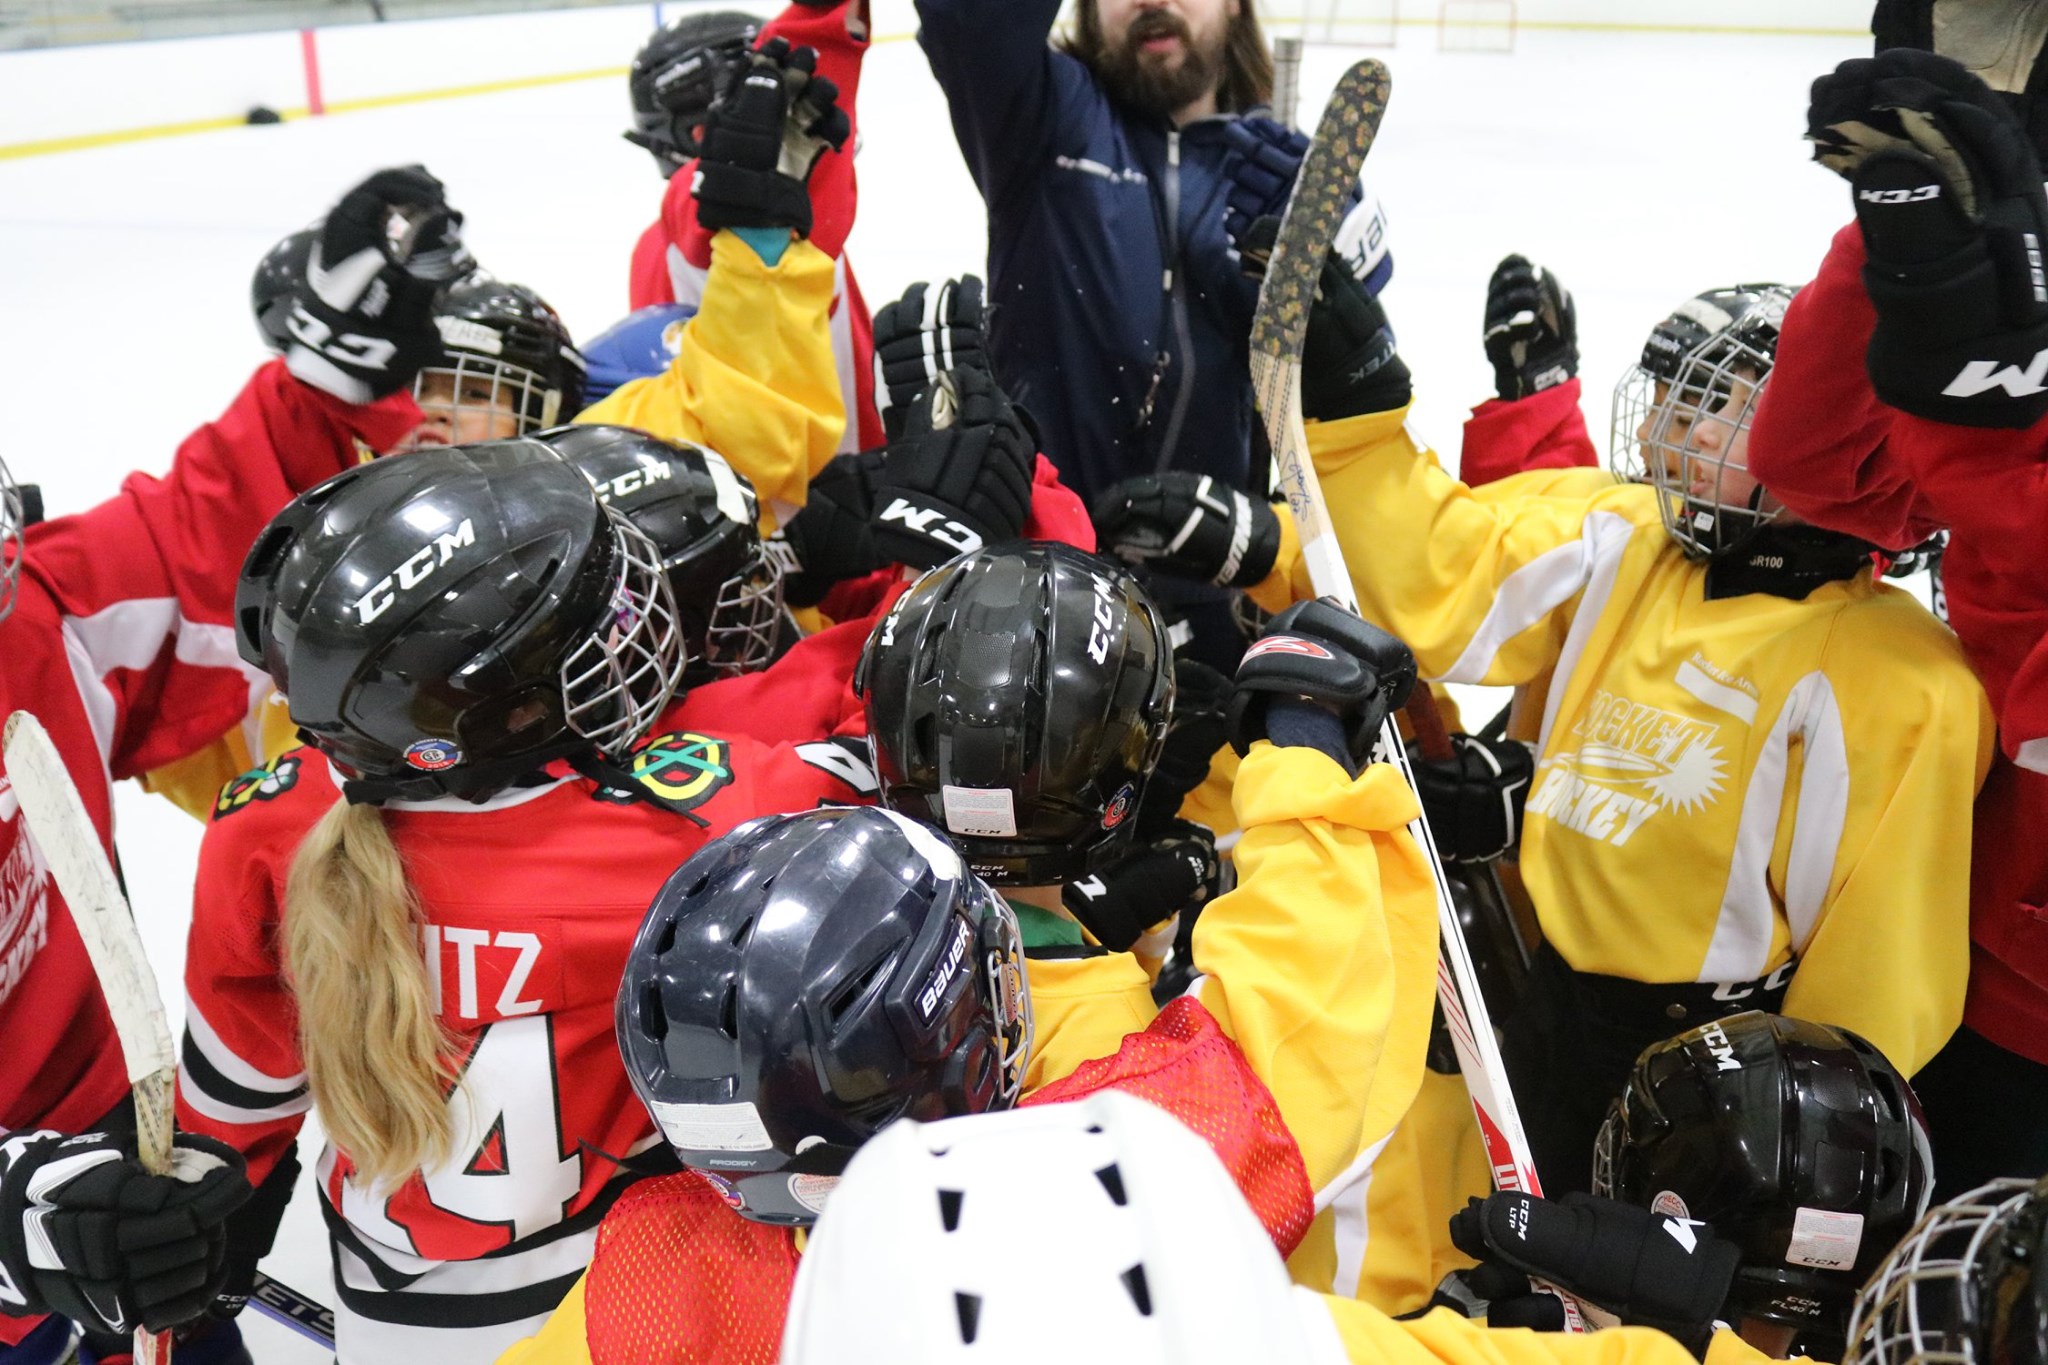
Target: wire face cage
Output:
[(617, 683)]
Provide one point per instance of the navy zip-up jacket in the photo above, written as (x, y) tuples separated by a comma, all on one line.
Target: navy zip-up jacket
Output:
[(1106, 252)]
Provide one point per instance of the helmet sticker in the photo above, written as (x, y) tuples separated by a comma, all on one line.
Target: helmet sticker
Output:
[(1288, 644), (1825, 1239), (985, 813), (432, 755), (734, 1127), (1670, 1205), (258, 784), (1119, 807), (812, 1190), (727, 1191)]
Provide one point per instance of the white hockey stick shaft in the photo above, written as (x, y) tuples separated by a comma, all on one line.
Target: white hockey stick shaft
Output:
[(65, 836)]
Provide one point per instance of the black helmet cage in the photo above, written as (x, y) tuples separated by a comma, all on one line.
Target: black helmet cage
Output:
[(504, 340), (406, 712), (984, 720), (678, 74), (11, 547), (1798, 1142), (1711, 358), (274, 286), (1967, 1286), (704, 518), (806, 980)]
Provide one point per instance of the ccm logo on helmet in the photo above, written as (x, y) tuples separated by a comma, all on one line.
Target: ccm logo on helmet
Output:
[(1912, 196), (1288, 644), (927, 521), (1105, 619), (633, 480), (418, 566), (1718, 1046)]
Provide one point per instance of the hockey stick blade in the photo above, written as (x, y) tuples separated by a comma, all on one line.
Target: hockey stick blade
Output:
[(1322, 191), (64, 835), (287, 1307)]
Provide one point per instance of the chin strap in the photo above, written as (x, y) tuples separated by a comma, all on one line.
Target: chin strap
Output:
[(1787, 561)]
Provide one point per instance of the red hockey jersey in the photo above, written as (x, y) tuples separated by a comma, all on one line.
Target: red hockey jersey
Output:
[(531, 902), (671, 258), (120, 642)]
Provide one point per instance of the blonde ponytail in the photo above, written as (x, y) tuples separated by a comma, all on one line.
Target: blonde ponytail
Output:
[(377, 1058)]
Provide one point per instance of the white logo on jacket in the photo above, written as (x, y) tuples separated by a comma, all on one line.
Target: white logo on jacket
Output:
[(24, 907), (1633, 761)]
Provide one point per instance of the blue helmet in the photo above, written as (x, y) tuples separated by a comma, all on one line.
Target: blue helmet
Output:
[(642, 343)]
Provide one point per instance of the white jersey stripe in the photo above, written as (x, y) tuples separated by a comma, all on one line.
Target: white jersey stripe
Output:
[(226, 1062)]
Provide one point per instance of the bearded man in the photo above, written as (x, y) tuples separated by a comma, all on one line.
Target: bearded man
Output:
[(1119, 169)]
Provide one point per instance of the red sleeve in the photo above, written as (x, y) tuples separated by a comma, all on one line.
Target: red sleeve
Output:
[(833, 193), (1820, 442), (806, 694), (240, 1076), (650, 283), (146, 580), (1543, 431), (1057, 512)]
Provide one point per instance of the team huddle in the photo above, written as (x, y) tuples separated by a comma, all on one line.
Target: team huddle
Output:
[(786, 833)]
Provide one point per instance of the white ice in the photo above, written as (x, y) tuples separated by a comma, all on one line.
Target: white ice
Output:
[(1642, 168)]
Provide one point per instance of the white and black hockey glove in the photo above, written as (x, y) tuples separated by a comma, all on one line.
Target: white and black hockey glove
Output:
[(1532, 330), (931, 330), (958, 478), (762, 140), (1321, 678), (1474, 799), (1142, 891), (1949, 198), (1646, 1269), (362, 320), (1189, 526), (86, 1233)]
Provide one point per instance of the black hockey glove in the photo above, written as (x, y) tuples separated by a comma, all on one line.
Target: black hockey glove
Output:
[(831, 539), (85, 1232), (1648, 1269), (1474, 799), (362, 321), (762, 140), (1261, 160), (1317, 663), (252, 1232), (921, 336), (1948, 195), (1532, 330), (1189, 526), (1200, 726), (1349, 364), (1151, 883), (960, 476)]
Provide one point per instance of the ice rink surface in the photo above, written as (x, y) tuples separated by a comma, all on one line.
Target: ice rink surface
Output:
[(1640, 167)]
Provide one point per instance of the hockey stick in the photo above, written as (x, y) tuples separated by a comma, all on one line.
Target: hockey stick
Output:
[(65, 836), (287, 1307), (1279, 331)]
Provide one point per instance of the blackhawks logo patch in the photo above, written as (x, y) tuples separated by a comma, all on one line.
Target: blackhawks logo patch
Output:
[(681, 769), (258, 784)]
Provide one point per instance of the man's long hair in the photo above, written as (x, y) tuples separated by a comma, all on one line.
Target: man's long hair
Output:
[(1247, 81)]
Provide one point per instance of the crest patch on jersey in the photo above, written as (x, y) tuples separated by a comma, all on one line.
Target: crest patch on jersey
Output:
[(258, 784), (681, 768)]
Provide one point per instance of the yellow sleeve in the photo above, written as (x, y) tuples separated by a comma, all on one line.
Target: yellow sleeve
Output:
[(1322, 962), (1081, 1008), (1890, 954), (1442, 1337), (1482, 588), (755, 379), (193, 783), (560, 1341)]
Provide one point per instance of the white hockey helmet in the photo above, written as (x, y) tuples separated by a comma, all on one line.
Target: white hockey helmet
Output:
[(1101, 1230), (11, 547)]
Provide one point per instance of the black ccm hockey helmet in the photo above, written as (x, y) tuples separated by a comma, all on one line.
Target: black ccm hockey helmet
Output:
[(504, 346), (805, 980), (1018, 699), (1967, 1286), (275, 284), (679, 73), (704, 519), (1798, 1142), (449, 621)]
